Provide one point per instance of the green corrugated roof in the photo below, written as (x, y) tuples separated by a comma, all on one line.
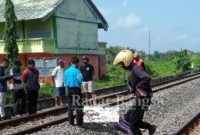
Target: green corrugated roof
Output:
[(31, 9), (41, 9)]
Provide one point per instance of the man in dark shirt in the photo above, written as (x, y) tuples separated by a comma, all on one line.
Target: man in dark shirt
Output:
[(30, 77), (3, 87), (18, 90), (139, 85), (87, 71)]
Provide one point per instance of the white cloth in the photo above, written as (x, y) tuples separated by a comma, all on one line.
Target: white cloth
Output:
[(16, 86), (2, 103), (87, 86), (58, 74)]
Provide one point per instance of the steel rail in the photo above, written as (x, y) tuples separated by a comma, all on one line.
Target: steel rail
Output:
[(187, 127), (64, 109)]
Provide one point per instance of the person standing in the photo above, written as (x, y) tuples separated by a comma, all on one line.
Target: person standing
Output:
[(3, 87), (139, 85), (18, 90), (138, 61), (58, 80), (30, 77), (87, 71), (73, 80)]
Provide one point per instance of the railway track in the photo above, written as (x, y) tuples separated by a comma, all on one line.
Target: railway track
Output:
[(190, 127), (57, 115)]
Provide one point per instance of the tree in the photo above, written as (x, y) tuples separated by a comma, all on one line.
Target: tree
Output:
[(157, 54), (183, 61), (10, 33), (112, 52)]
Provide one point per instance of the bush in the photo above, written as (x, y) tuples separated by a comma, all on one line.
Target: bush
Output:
[(115, 76), (183, 61), (47, 90)]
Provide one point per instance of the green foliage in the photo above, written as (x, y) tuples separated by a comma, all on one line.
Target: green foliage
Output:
[(112, 52), (115, 76), (196, 60), (157, 54), (151, 71), (47, 90), (10, 33), (183, 61), (9, 97), (160, 68)]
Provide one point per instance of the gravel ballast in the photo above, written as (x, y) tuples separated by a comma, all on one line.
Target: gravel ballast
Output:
[(170, 109)]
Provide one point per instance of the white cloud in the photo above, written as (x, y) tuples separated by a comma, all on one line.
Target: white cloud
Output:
[(129, 21), (124, 3), (182, 36)]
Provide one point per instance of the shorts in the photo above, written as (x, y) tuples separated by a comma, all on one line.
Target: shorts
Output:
[(60, 91), (87, 86)]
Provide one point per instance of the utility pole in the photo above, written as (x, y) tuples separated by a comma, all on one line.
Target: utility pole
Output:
[(149, 43)]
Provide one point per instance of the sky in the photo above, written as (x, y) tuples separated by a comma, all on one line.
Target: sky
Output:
[(173, 24)]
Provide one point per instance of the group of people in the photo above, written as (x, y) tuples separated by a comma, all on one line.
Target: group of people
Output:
[(71, 79), (59, 79), (25, 87)]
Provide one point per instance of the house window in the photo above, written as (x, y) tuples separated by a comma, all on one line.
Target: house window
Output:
[(1, 35), (40, 33), (19, 35)]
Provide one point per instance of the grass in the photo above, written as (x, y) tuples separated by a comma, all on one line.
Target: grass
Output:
[(115, 76), (161, 68)]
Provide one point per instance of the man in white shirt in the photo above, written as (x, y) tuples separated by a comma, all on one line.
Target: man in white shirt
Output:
[(58, 81)]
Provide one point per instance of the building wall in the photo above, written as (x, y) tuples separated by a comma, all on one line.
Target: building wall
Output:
[(77, 26), (93, 60), (102, 65)]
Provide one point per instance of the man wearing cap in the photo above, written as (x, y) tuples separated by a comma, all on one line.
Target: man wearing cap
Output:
[(30, 77), (138, 61), (139, 85), (18, 90), (58, 81), (87, 71)]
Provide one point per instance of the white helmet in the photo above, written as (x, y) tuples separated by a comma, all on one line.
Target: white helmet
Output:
[(125, 57)]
